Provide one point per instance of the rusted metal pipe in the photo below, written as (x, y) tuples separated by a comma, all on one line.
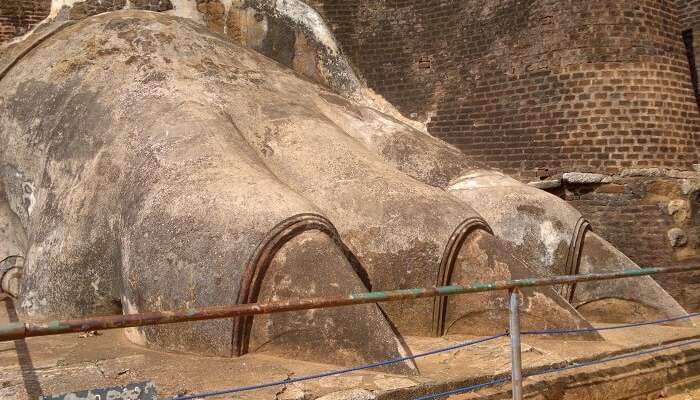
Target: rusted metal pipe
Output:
[(22, 330)]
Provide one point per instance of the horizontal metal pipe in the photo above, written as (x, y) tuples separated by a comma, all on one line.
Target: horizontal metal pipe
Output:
[(20, 330)]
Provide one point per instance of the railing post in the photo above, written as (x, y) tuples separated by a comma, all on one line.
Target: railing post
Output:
[(516, 362)]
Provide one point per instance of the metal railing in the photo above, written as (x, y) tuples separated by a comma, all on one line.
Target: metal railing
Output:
[(19, 330), (516, 363)]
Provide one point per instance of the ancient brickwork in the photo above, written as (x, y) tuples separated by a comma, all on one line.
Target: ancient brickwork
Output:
[(690, 10), (690, 23), (526, 84), (19, 16), (652, 215), (152, 5), (91, 7), (692, 41)]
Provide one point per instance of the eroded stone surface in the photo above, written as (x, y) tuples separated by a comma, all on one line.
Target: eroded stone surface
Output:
[(582, 177), (546, 184), (152, 161), (677, 237)]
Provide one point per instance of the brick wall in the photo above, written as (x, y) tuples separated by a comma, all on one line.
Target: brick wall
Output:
[(87, 8), (690, 23), (566, 85), (18, 16), (691, 38), (653, 216), (690, 10)]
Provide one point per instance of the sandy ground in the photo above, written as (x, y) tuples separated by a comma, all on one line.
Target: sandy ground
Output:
[(691, 395)]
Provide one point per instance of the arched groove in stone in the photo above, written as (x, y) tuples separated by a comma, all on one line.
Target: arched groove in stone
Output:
[(454, 245), (573, 257), (263, 256)]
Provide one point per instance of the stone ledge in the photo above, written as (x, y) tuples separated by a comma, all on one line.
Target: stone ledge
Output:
[(585, 178), (546, 184), (659, 172)]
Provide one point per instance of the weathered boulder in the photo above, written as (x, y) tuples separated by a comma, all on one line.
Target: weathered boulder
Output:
[(165, 168), (154, 165)]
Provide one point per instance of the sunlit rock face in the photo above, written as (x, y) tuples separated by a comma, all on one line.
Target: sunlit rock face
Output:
[(155, 165)]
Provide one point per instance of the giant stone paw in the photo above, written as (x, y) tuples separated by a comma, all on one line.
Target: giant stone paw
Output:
[(154, 165)]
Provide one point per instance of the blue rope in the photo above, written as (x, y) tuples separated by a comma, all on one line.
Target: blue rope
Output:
[(464, 389), (432, 352), (338, 372), (552, 370), (609, 328), (613, 358)]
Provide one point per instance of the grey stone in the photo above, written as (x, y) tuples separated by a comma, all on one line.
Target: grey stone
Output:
[(584, 177), (689, 186), (547, 184), (677, 237), (674, 173), (678, 209), (632, 172)]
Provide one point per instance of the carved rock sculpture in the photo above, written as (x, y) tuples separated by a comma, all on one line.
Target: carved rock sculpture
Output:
[(149, 164)]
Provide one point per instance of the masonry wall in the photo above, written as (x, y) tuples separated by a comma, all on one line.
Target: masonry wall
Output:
[(87, 8), (18, 16), (690, 23), (653, 216), (690, 13), (527, 85)]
